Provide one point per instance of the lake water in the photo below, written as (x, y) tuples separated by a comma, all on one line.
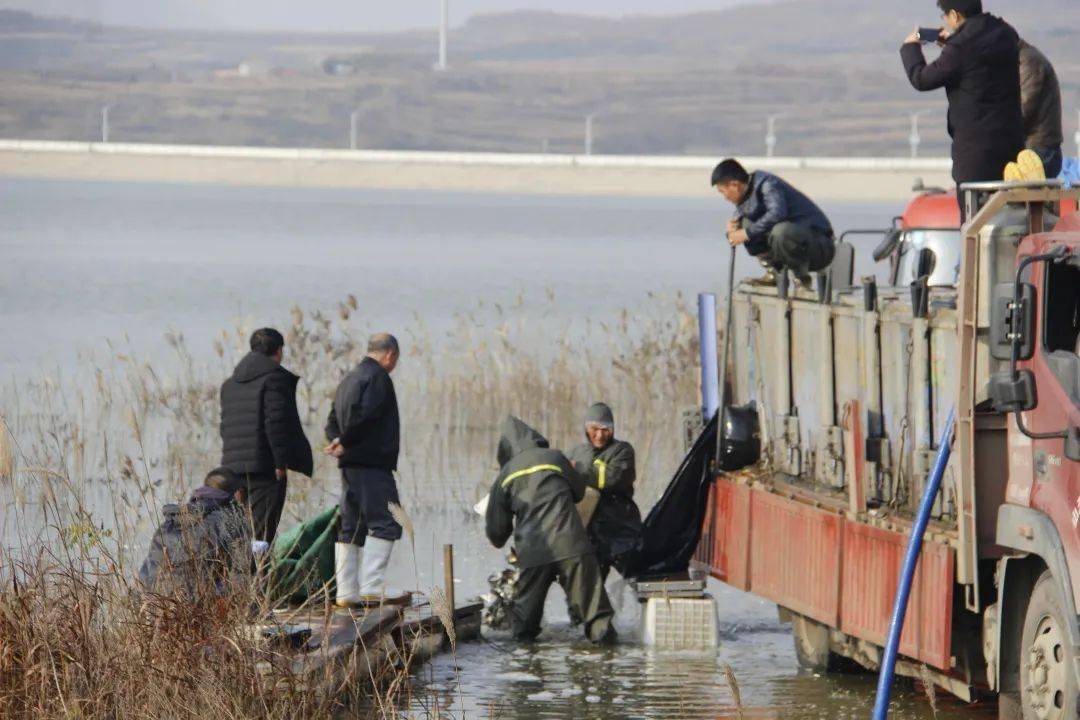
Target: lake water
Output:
[(84, 262)]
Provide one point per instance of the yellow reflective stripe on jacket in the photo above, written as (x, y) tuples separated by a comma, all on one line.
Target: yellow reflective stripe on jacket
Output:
[(601, 466), (529, 471)]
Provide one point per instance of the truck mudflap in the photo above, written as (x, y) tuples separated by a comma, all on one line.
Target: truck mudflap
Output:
[(820, 564), (1031, 532)]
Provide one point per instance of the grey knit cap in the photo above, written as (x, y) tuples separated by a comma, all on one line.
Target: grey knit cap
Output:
[(600, 414)]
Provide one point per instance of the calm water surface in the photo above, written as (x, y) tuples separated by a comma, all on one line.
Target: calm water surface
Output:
[(82, 262)]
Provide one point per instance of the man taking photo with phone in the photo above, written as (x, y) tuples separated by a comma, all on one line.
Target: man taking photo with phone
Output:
[(979, 67)]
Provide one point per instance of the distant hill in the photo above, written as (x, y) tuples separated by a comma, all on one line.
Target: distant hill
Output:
[(523, 81)]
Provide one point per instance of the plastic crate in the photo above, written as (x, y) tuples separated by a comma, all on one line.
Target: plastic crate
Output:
[(680, 623)]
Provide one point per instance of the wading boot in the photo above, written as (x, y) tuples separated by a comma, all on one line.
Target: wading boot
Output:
[(373, 590), (347, 559)]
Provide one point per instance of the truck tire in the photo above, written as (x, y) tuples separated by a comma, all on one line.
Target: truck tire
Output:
[(811, 643), (1047, 681), (812, 646)]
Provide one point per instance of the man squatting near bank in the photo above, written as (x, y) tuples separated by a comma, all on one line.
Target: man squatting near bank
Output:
[(364, 431), (202, 548)]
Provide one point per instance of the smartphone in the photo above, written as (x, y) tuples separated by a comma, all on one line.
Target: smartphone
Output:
[(929, 35)]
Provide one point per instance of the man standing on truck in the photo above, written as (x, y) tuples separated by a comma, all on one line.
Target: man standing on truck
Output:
[(261, 435), (778, 224), (979, 67), (1040, 103), (608, 465), (533, 499), (364, 430)]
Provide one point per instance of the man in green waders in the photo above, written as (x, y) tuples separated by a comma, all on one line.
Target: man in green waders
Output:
[(607, 464), (533, 499)]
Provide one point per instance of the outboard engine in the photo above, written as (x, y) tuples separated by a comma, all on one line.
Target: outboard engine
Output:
[(741, 444)]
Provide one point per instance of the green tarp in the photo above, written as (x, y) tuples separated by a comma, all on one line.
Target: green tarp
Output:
[(302, 559)]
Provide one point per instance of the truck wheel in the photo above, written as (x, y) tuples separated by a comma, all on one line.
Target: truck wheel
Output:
[(1047, 682), (812, 644)]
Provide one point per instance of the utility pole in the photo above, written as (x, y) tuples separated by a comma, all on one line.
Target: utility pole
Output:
[(770, 134), (352, 128), (104, 123), (443, 29), (588, 133), (914, 139)]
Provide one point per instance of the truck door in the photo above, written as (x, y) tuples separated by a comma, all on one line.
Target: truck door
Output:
[(1055, 480)]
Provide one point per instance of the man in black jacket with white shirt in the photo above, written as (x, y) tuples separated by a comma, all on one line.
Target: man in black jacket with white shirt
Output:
[(979, 68), (364, 431), (262, 438)]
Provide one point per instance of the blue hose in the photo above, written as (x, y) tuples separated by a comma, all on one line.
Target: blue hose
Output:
[(907, 573)]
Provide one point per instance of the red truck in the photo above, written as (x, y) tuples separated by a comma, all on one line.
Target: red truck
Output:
[(852, 387)]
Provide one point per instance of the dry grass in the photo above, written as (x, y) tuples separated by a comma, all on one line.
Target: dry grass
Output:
[(88, 463)]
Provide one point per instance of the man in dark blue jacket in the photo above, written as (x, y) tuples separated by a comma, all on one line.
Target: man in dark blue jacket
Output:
[(364, 431), (777, 223)]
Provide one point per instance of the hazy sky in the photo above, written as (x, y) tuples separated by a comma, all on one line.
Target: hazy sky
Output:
[(343, 15)]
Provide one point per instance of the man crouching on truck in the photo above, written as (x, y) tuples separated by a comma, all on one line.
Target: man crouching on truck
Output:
[(777, 223), (533, 498)]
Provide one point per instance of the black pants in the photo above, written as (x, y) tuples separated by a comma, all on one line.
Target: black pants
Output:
[(1053, 160), (800, 248), (366, 494), (586, 597), (265, 501)]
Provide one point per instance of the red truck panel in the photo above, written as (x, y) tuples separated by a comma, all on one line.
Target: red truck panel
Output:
[(731, 542), (838, 572), (872, 561), (795, 556)]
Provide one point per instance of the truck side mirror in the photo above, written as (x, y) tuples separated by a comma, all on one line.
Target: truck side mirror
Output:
[(1072, 444), (1013, 394), (1012, 323)]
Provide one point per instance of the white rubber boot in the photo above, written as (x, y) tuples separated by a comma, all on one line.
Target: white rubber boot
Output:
[(373, 575), (347, 561)]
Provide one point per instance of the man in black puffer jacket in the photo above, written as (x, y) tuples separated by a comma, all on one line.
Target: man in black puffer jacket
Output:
[(979, 67), (261, 435), (364, 431)]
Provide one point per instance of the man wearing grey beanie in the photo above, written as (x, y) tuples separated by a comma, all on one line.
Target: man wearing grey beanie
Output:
[(608, 465)]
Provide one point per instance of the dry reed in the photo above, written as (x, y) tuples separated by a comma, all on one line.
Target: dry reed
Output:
[(733, 685)]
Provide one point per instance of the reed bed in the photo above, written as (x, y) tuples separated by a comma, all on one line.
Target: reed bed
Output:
[(86, 463)]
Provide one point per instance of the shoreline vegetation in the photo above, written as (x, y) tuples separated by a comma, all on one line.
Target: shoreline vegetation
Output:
[(84, 469)]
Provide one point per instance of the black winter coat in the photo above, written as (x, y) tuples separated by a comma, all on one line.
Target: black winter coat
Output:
[(979, 68), (364, 416), (201, 549), (615, 527), (260, 425), (534, 498)]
